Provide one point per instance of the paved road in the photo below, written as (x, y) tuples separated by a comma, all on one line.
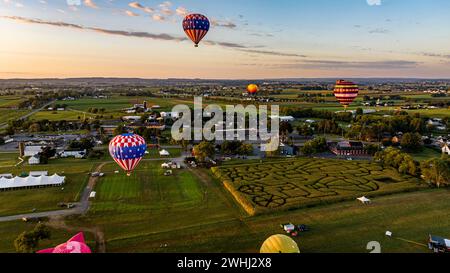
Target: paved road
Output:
[(4, 125), (80, 208)]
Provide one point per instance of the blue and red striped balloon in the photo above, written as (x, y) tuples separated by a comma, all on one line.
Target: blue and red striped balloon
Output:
[(196, 27), (127, 150)]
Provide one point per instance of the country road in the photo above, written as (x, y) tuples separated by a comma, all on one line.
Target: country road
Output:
[(5, 124)]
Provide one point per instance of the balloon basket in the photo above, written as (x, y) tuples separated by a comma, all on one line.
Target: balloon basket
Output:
[(195, 45), (128, 174)]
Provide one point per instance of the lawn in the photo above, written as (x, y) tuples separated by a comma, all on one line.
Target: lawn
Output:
[(425, 154), (337, 228), (281, 185), (44, 199), (8, 159), (146, 189)]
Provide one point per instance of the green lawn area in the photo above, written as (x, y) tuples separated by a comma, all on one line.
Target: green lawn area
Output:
[(43, 199), (146, 189), (60, 115), (7, 114), (281, 185), (425, 154), (8, 159), (337, 228)]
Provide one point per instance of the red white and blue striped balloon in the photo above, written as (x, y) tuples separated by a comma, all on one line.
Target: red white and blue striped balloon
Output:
[(127, 150), (196, 26)]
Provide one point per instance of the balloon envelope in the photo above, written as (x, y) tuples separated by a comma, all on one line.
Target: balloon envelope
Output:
[(75, 245), (196, 26), (345, 92), (252, 88), (279, 244), (127, 150)]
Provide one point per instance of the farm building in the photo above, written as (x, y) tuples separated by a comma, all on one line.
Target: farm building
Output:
[(347, 148), (31, 182), (33, 150), (108, 129), (34, 160), (132, 118)]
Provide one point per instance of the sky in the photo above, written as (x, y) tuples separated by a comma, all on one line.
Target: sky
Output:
[(248, 39)]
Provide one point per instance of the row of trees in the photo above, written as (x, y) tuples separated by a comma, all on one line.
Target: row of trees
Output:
[(315, 146), (435, 171)]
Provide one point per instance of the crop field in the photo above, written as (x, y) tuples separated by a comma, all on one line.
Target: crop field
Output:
[(146, 189), (298, 183)]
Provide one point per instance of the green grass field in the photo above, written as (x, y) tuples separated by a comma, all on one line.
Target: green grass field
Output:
[(425, 154), (146, 189), (298, 183)]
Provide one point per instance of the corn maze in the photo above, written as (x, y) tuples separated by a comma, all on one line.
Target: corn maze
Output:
[(305, 182)]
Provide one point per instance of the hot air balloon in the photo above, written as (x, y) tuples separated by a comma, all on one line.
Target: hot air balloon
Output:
[(75, 245), (279, 244), (252, 89), (127, 150), (196, 27), (345, 92)]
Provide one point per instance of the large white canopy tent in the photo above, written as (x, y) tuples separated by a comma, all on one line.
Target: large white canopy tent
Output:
[(31, 181)]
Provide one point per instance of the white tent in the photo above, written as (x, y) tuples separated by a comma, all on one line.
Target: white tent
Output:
[(164, 153), (364, 200), (30, 181)]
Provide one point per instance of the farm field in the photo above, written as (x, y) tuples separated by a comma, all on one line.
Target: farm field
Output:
[(44, 199), (268, 187)]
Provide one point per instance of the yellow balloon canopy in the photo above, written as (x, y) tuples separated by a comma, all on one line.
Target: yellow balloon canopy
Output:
[(279, 244)]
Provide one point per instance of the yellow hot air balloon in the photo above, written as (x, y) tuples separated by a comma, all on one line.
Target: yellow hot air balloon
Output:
[(279, 244), (252, 89)]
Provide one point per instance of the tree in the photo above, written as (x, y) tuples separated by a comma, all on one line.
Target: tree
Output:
[(35, 127), (28, 241), (120, 130), (315, 146), (203, 150), (437, 171), (359, 112), (411, 141), (245, 149)]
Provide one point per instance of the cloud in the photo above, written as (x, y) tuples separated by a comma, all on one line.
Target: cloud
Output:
[(226, 24), (90, 3), (162, 36), (436, 55), (181, 11), (137, 5), (374, 2), (158, 17), (379, 31), (131, 14), (340, 65)]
